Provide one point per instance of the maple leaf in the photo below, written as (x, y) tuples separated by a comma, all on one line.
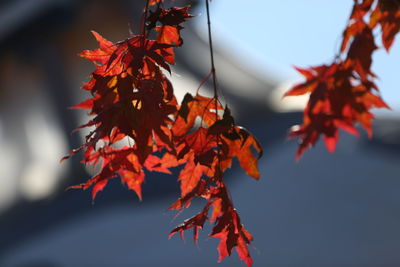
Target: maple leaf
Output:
[(201, 190), (192, 108), (387, 15), (229, 229), (197, 151), (103, 53), (335, 102), (241, 148), (133, 180), (360, 53), (200, 149), (196, 222), (352, 30), (190, 176), (237, 142), (170, 21), (360, 9), (168, 35)]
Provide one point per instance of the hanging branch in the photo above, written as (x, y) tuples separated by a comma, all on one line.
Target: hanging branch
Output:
[(210, 43), (133, 99), (343, 93), (208, 163)]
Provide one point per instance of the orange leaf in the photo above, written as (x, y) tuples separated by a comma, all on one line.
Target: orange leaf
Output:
[(190, 177), (192, 108), (168, 35), (242, 149), (133, 181)]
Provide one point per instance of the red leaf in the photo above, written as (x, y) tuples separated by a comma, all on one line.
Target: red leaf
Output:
[(243, 251), (102, 54), (241, 148), (192, 108), (338, 98), (387, 15), (360, 53), (99, 186), (133, 181), (168, 35), (87, 104), (222, 246), (196, 222), (190, 177)]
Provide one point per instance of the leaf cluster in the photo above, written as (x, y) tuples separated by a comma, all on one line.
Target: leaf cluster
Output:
[(343, 93), (138, 125)]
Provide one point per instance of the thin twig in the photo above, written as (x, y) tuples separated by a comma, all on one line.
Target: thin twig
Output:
[(210, 42), (146, 9)]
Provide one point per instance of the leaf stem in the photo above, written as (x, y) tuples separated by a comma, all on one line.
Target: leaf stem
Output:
[(146, 9), (210, 42), (213, 72)]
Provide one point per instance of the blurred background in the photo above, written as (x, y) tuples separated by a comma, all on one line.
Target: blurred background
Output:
[(326, 210)]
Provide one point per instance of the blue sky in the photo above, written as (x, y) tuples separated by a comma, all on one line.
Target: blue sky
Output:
[(276, 35)]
